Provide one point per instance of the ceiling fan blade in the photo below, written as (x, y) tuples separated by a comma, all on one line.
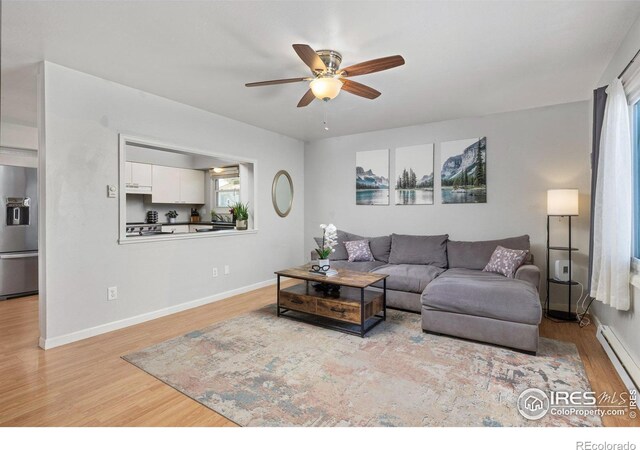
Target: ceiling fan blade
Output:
[(307, 98), (360, 89), (283, 81), (309, 57), (375, 65)]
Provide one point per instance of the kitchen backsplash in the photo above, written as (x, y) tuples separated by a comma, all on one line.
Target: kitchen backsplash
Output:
[(138, 205)]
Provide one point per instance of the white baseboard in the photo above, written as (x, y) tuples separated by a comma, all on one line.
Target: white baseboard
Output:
[(622, 361), (47, 343), (627, 375)]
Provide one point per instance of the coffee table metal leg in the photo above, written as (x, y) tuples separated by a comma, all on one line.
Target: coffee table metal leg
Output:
[(278, 296), (384, 299), (361, 312)]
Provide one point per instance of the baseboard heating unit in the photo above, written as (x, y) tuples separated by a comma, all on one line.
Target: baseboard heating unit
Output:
[(624, 364)]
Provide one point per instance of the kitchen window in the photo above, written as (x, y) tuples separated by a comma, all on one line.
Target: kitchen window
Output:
[(227, 192)]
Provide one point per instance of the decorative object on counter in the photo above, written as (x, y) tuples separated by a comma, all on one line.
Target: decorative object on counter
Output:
[(152, 216), (282, 193), (172, 216), (329, 241), (240, 213), (195, 215)]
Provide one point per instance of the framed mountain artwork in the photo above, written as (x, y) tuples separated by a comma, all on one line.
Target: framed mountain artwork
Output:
[(463, 174), (414, 175), (372, 177)]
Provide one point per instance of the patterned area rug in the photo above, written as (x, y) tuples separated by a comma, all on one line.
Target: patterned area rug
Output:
[(261, 370)]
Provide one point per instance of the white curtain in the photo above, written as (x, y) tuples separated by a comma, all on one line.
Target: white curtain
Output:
[(613, 205)]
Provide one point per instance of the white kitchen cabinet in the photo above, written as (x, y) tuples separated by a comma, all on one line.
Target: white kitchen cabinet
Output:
[(175, 228), (191, 186), (193, 228), (175, 185), (138, 178), (166, 186)]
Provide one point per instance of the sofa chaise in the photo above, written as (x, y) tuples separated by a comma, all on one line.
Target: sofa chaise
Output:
[(443, 280)]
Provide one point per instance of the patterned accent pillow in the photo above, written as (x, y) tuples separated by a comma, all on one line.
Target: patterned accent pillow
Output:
[(359, 250), (506, 261)]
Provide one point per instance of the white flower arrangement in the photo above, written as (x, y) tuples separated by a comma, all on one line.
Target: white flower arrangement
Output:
[(329, 240)]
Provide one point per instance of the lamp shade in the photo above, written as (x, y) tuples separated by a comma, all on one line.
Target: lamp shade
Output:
[(562, 202), (326, 88)]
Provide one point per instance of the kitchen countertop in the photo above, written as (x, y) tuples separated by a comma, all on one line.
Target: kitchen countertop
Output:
[(181, 236), (228, 224)]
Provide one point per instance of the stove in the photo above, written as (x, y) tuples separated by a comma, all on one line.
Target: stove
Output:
[(143, 229)]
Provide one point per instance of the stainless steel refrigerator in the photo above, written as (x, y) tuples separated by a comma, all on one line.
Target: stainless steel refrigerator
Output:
[(18, 231)]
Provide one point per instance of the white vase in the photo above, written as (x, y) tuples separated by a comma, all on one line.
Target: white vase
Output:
[(172, 220), (323, 263), (241, 224)]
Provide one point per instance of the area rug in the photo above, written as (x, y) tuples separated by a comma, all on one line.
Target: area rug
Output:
[(261, 370)]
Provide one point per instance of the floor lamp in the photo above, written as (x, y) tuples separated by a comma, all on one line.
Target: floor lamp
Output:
[(561, 203)]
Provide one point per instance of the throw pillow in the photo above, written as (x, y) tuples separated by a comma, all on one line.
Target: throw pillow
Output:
[(505, 261), (359, 251)]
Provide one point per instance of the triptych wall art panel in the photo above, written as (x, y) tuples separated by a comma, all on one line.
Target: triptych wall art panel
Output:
[(463, 174), (372, 177), (414, 175)]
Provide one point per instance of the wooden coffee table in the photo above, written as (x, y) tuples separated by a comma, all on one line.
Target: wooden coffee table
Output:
[(353, 310)]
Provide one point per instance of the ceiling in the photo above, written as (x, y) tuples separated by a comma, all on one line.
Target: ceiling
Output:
[(462, 58)]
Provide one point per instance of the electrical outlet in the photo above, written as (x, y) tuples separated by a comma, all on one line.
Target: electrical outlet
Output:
[(112, 293), (215, 272), (112, 191), (227, 271)]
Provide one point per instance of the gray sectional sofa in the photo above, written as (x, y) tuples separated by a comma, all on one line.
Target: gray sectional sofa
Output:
[(443, 281)]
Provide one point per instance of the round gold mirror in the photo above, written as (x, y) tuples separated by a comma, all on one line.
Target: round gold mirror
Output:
[(282, 193)]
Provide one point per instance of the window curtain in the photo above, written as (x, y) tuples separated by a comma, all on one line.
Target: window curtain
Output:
[(612, 206), (599, 103)]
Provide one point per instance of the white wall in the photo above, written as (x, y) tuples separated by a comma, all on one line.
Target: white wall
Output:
[(82, 118), (625, 324), (528, 152)]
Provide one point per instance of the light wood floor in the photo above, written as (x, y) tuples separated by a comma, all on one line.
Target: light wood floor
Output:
[(87, 383)]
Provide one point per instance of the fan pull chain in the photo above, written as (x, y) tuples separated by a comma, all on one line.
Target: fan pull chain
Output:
[(325, 121)]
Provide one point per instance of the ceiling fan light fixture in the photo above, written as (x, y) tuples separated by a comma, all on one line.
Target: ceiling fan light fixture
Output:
[(326, 88)]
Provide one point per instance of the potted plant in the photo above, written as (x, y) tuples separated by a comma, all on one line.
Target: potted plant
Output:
[(240, 212), (329, 240), (172, 216)]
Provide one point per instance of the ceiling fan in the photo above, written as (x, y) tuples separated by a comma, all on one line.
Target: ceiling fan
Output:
[(328, 79)]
